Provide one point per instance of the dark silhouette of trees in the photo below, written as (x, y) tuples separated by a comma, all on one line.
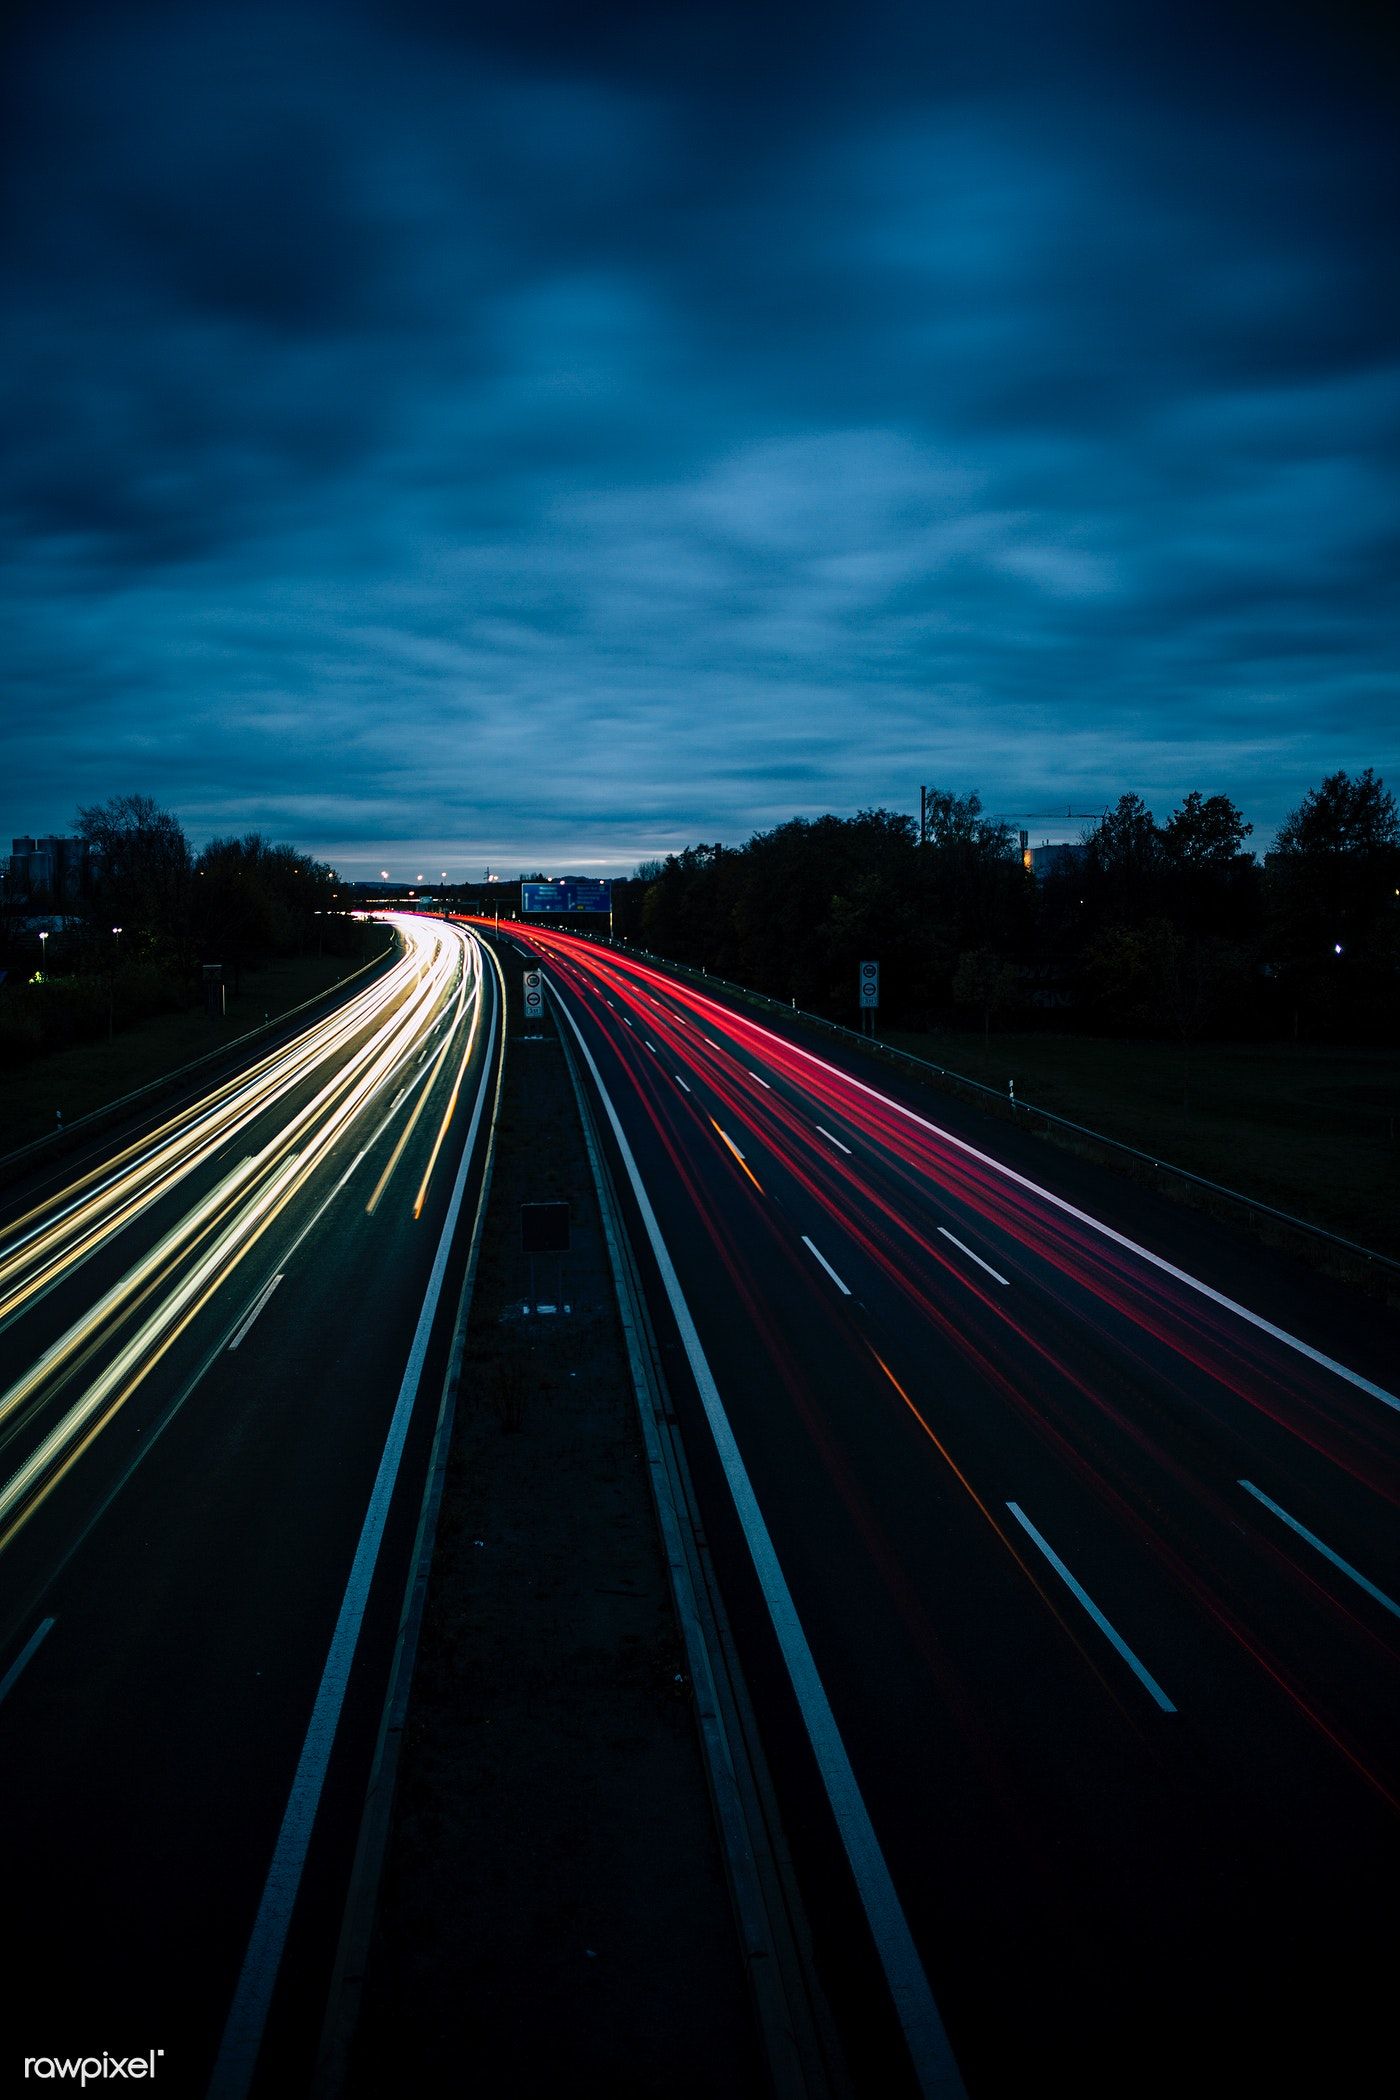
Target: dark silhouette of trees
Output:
[(1123, 864), (1211, 885), (986, 984), (150, 914), (973, 874), (1170, 929), (1344, 820), (1334, 906), (1206, 832), (253, 900), (796, 910), (139, 872)]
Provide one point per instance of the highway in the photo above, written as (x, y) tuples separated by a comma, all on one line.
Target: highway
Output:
[(1058, 1533), (222, 1339)]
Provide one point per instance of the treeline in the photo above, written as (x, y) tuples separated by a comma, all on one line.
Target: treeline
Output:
[(1173, 929), (148, 913)]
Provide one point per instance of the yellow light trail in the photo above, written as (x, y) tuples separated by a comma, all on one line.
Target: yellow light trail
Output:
[(728, 1140), (36, 1257), (419, 1199), (373, 1036), (396, 1155)]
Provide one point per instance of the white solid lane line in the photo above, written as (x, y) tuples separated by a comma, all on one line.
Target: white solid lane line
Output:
[(30, 1648), (1084, 1217), (247, 2016), (935, 2070), (974, 1257), (834, 1141), (1144, 1676), (260, 1302), (844, 1288), (1326, 1551)]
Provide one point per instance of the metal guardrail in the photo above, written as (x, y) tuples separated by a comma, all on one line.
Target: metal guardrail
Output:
[(1013, 1104), (12, 1163)]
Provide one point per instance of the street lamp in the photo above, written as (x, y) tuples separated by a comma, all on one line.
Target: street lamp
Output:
[(43, 936), (112, 984)]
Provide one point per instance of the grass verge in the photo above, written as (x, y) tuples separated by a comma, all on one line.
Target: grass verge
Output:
[(72, 1083), (1308, 1129)]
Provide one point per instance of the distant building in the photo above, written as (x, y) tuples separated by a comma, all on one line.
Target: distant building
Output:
[(1042, 860), (48, 868)]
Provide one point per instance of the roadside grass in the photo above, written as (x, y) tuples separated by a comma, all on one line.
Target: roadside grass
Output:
[(88, 1076), (1309, 1129)]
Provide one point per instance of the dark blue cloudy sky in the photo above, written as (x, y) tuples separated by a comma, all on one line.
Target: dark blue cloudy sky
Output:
[(548, 434)]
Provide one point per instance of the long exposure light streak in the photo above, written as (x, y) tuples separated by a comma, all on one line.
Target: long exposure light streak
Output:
[(312, 1090), (1122, 1368), (1128, 1279), (450, 1109), (53, 1238)]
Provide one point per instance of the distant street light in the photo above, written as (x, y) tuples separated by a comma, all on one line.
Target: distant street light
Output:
[(112, 984)]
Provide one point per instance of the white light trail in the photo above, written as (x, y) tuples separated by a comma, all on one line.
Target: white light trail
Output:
[(350, 1061)]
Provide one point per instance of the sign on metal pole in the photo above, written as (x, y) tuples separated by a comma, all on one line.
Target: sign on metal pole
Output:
[(869, 984), (544, 1228), (534, 995), (566, 894)]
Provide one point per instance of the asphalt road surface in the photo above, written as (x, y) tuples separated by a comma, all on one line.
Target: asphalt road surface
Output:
[(1058, 1529), (221, 1346)]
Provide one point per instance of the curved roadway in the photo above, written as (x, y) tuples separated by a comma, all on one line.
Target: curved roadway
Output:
[(221, 1347)]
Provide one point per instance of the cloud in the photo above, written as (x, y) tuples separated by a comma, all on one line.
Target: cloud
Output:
[(472, 424)]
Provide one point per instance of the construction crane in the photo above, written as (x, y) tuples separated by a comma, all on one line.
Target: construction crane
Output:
[(1018, 816), (1050, 816)]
